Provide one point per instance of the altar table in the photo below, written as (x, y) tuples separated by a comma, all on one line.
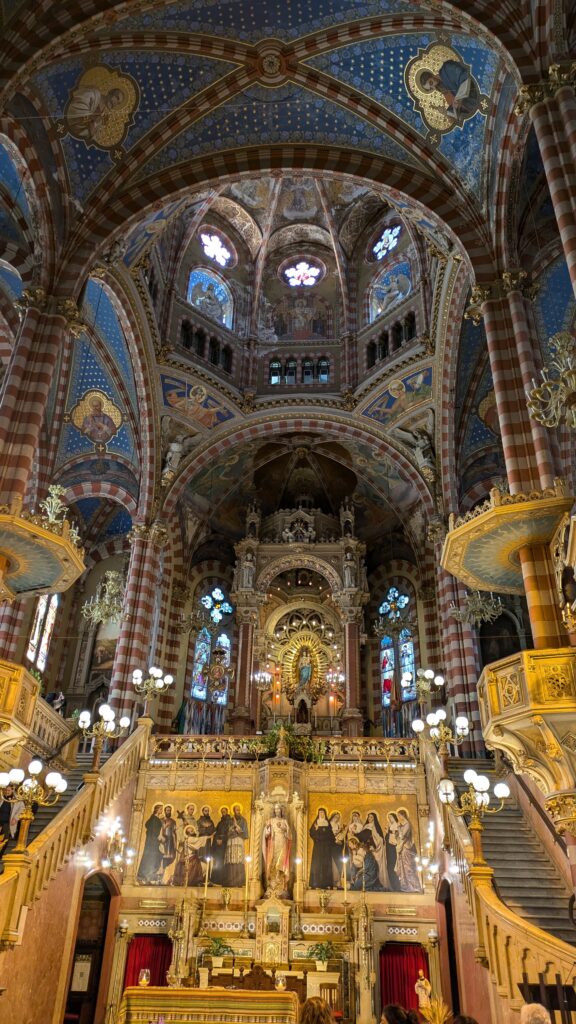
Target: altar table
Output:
[(206, 1006)]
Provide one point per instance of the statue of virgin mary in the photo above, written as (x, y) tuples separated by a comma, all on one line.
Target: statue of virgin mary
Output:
[(304, 668)]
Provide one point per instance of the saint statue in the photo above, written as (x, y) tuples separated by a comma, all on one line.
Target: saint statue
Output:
[(276, 846), (423, 990), (304, 668)]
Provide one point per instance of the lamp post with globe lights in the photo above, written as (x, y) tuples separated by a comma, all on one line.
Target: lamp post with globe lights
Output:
[(441, 734), (151, 687), (104, 728), (473, 804), (28, 789)]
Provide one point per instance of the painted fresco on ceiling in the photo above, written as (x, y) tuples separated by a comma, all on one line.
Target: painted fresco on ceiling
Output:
[(472, 346), (100, 107), (11, 282), (296, 318), (480, 453), (100, 313), (96, 469), (212, 296), (401, 396), (382, 472), (148, 230), (12, 180), (554, 305), (389, 289), (119, 524), (377, 67), (261, 116), (102, 111), (97, 417), (87, 508), (242, 19), (90, 375), (194, 403), (10, 231), (507, 92)]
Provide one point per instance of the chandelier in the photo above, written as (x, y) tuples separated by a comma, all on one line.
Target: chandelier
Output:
[(117, 854), (106, 604), (477, 608), (555, 398)]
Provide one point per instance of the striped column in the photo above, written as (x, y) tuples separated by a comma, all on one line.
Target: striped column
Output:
[(566, 101), (525, 347), (240, 715), (460, 660), (25, 393), (133, 647), (541, 597), (11, 623), (543, 116)]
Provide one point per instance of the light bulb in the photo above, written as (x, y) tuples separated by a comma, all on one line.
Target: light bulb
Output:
[(438, 680), (441, 715), (84, 719), (461, 722), (52, 779), (137, 675), (61, 786), (124, 722), (469, 776), (501, 791), (159, 684), (168, 680), (418, 725), (446, 791), (482, 784), (4, 780), (110, 725), (16, 775), (35, 767), (428, 673), (434, 732), (432, 718), (105, 712)]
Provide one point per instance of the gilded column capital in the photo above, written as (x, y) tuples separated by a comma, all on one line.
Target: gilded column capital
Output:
[(559, 75), (518, 281), (31, 298), (478, 296), (68, 309), (529, 96), (562, 810), (155, 533)]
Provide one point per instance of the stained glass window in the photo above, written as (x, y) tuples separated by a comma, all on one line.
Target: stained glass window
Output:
[(302, 274), (211, 296), (215, 249), (224, 641), (42, 629), (201, 657), (396, 651), (388, 240), (217, 604)]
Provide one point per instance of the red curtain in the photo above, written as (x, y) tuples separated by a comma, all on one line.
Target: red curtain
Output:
[(148, 951), (399, 966)]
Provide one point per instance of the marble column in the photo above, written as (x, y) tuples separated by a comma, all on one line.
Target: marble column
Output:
[(351, 715), (240, 717)]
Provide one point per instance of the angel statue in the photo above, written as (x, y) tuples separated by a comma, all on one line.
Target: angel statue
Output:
[(420, 440)]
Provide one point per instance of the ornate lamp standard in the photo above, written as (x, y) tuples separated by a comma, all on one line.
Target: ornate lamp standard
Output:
[(31, 793), (443, 735), (156, 683), (473, 804), (107, 728)]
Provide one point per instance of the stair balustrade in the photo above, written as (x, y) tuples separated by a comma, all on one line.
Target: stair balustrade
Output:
[(511, 947), (28, 873)]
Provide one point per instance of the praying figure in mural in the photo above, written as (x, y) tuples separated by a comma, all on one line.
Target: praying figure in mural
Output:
[(406, 854), (304, 668), (276, 847), (323, 852)]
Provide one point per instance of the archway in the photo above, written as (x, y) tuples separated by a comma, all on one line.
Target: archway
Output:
[(91, 960)]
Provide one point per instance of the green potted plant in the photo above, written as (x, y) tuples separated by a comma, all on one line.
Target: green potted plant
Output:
[(321, 952), (217, 949)]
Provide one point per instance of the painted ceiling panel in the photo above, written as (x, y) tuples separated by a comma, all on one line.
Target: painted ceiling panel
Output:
[(101, 315), (150, 227), (554, 306), (87, 507), (245, 20), (378, 67), (120, 523), (11, 282), (153, 84), (472, 343), (263, 116), (12, 181)]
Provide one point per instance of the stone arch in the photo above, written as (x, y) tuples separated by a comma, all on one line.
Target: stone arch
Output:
[(306, 560)]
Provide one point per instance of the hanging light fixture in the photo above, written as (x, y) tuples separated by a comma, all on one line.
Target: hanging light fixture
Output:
[(554, 399), (476, 608), (107, 603)]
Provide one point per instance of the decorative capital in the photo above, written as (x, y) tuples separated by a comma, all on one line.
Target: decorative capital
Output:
[(562, 810), (529, 96), (349, 401), (518, 281), (75, 322), (559, 75), (31, 298), (478, 296), (155, 533)]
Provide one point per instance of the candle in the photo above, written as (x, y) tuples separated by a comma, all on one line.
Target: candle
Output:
[(248, 861), (207, 876), (345, 863)]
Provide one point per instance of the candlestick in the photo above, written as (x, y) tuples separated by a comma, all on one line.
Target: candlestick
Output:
[(248, 861), (345, 862), (206, 879)]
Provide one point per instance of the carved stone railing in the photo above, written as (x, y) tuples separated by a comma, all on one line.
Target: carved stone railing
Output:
[(528, 711), (341, 748), (499, 498), (509, 946), (52, 737), (27, 874)]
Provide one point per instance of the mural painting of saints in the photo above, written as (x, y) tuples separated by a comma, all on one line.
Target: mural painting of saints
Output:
[(443, 88), (97, 417), (323, 852), (151, 855)]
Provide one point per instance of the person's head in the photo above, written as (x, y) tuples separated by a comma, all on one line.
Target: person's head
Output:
[(355, 816), (420, 973), (205, 811), (277, 811), (534, 1013), (224, 812), (168, 811), (114, 98), (370, 818), (412, 1017), (402, 814), (429, 81), (96, 405), (158, 808), (190, 810), (392, 818), (393, 1014), (237, 810), (316, 1011), (463, 1019), (322, 814), (335, 817)]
